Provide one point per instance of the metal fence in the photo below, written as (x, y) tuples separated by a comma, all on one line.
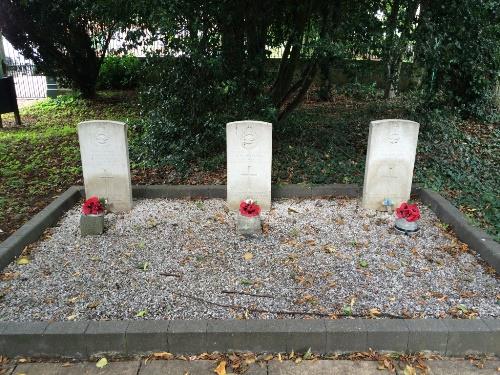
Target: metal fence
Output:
[(29, 84)]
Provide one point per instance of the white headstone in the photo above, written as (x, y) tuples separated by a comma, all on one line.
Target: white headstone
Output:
[(392, 145), (105, 162), (249, 157)]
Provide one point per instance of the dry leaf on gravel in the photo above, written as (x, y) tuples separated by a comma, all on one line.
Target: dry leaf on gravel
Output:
[(248, 256)]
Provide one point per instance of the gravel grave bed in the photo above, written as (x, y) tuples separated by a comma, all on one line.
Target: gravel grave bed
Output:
[(182, 259)]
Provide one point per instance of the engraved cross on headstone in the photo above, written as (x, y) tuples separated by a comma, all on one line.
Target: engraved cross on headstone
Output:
[(247, 173), (106, 178)]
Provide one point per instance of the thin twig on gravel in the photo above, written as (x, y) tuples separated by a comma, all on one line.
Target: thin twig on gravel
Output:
[(247, 294), (170, 274), (286, 312)]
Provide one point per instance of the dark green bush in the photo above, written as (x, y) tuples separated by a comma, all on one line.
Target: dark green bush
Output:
[(185, 105), (460, 165), (119, 72)]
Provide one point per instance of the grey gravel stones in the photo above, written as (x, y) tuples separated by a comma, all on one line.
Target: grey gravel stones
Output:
[(182, 259)]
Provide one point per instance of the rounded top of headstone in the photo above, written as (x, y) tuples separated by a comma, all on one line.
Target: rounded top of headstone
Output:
[(394, 122), (101, 122), (249, 122)]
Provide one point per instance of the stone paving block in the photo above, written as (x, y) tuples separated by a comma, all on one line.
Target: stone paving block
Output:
[(268, 335), (227, 335), (462, 367), (83, 368), (106, 337), (387, 335), (147, 336), (305, 334), (23, 339), (174, 367), (494, 326), (345, 335), (323, 367), (65, 339), (427, 335), (202, 367), (469, 337), (187, 336)]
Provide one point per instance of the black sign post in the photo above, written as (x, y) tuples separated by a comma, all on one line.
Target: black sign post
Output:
[(8, 99)]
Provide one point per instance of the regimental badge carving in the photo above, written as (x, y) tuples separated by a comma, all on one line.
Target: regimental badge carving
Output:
[(395, 135), (102, 137), (249, 138)]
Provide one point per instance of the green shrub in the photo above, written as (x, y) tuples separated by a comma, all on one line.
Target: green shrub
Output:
[(185, 105), (359, 91), (119, 72), (461, 165)]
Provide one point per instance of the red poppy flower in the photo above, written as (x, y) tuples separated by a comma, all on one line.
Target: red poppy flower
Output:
[(414, 213), (92, 206), (410, 212), (402, 211), (249, 208)]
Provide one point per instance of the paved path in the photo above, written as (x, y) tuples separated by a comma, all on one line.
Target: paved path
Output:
[(177, 367)]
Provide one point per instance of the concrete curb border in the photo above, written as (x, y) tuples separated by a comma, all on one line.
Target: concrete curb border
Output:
[(31, 231), (84, 340), (130, 338)]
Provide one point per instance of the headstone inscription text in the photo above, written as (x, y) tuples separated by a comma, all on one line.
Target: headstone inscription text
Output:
[(390, 159), (249, 157), (105, 162)]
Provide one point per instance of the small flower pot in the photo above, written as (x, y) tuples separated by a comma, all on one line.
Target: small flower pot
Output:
[(249, 226), (91, 225), (406, 227)]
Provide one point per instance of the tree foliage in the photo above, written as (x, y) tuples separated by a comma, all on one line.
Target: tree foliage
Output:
[(458, 45), (65, 38)]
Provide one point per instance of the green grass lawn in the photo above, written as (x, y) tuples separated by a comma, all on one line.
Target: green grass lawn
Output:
[(320, 143)]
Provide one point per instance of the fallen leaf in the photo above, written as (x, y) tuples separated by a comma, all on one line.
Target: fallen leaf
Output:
[(101, 363), (221, 368), (374, 312), (220, 217), (329, 249), (265, 228), (248, 256), (23, 261), (93, 305), (141, 313), (71, 317), (363, 263), (310, 242), (410, 370), (291, 210), (163, 355), (392, 266)]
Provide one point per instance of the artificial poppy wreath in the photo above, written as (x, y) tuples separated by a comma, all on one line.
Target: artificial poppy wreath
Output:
[(93, 206), (249, 208), (409, 212)]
